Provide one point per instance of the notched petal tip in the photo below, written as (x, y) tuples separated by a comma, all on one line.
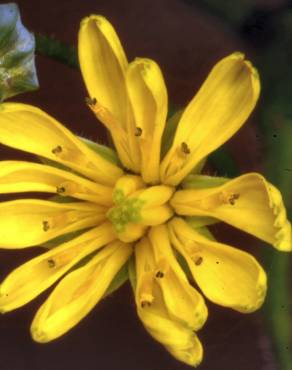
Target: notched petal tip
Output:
[(247, 67), (38, 335), (283, 237), (98, 19), (191, 355), (259, 296)]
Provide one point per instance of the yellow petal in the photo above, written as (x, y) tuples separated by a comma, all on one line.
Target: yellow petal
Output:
[(217, 111), (29, 222), (33, 277), (227, 276), (77, 294), (132, 231), (175, 336), (154, 196), (247, 202), (156, 215), (181, 342), (148, 97), (103, 65), (17, 176), (125, 186), (30, 129), (182, 301)]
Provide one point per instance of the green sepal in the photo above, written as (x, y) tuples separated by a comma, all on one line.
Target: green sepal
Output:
[(169, 132), (203, 181), (120, 279), (55, 49), (104, 151), (63, 199), (132, 273), (197, 222), (50, 162), (62, 239), (224, 163), (17, 46), (184, 265)]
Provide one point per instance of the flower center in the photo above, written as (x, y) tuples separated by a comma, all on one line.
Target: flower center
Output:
[(136, 207)]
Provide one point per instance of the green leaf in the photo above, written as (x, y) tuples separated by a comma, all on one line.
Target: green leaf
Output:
[(120, 278), (17, 46)]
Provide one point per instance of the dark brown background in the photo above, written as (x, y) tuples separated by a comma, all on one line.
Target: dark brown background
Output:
[(186, 41)]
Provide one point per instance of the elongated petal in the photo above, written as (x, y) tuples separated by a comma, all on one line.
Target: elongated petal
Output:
[(29, 222), (227, 276), (217, 111), (17, 176), (30, 129), (103, 64), (173, 334), (182, 301), (32, 278), (248, 202), (148, 97), (181, 342), (77, 294)]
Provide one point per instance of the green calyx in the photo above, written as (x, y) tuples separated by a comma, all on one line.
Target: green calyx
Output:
[(127, 210)]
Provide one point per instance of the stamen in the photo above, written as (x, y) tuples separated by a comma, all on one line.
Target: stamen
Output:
[(233, 198), (90, 101), (184, 148), (159, 274), (145, 304), (46, 225), (198, 261), (138, 131), (51, 263), (61, 189), (57, 150)]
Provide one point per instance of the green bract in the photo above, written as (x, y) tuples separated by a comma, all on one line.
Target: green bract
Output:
[(17, 45)]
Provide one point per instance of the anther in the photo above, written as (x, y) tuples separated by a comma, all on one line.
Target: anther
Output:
[(61, 189), (138, 131), (233, 198), (145, 304), (90, 101), (51, 263), (57, 150), (184, 148), (198, 261), (46, 225), (159, 274)]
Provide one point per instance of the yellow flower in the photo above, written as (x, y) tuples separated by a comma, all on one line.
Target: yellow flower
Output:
[(157, 209)]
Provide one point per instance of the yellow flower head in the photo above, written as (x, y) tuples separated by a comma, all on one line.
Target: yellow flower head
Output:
[(153, 206)]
